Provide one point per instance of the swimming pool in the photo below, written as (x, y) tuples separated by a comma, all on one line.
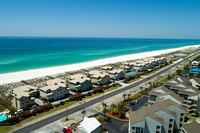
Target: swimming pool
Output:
[(130, 74), (3, 117)]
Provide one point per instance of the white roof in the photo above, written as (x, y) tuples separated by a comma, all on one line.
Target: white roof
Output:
[(89, 124)]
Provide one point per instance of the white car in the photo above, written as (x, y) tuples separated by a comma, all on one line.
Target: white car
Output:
[(18, 111)]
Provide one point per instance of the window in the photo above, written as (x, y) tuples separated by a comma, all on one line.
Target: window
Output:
[(170, 125), (180, 125), (170, 131), (181, 119), (170, 120), (158, 128), (182, 114), (157, 131)]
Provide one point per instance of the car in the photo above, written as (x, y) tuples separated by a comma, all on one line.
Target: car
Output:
[(18, 111), (66, 130)]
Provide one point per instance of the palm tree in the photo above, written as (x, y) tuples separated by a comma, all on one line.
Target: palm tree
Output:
[(113, 106), (129, 95), (83, 113), (141, 88), (124, 96), (104, 105)]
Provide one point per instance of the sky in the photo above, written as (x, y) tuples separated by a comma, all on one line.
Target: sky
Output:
[(101, 18)]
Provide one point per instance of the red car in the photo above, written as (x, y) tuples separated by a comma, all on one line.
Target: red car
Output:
[(66, 130)]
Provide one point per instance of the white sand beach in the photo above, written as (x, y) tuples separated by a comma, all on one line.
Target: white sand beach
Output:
[(35, 73)]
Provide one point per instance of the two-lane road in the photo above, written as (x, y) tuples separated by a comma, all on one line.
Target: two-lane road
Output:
[(56, 117)]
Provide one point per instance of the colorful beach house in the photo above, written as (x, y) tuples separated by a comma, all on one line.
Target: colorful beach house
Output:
[(54, 89), (195, 71), (24, 96), (80, 82)]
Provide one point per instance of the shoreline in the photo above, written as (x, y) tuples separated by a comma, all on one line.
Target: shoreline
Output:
[(12, 77)]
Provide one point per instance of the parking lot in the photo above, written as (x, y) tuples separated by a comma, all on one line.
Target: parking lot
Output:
[(137, 104)]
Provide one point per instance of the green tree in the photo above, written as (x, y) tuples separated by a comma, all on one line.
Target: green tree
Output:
[(83, 113), (113, 106), (129, 95), (124, 96)]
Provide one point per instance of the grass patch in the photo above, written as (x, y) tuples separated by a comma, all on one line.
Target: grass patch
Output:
[(2, 108)]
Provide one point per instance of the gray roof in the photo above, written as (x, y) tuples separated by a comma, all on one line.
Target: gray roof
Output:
[(193, 127), (139, 115)]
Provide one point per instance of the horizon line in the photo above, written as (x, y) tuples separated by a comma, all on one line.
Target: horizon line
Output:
[(98, 37)]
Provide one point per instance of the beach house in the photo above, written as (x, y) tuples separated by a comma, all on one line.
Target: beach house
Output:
[(99, 77), (54, 89), (195, 64), (106, 68), (80, 82), (139, 66), (162, 117), (24, 97), (116, 74)]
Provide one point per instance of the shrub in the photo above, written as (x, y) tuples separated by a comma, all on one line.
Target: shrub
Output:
[(25, 114), (62, 102), (57, 105), (77, 96)]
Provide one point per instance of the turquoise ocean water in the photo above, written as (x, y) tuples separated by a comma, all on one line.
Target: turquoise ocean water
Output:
[(23, 53)]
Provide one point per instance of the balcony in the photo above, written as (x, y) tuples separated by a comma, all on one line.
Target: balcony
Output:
[(191, 109), (185, 105), (187, 101), (151, 102), (193, 105)]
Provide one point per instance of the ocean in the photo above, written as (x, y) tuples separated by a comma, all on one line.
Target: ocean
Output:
[(24, 53)]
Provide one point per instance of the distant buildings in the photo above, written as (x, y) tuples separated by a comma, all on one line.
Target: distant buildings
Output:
[(24, 96), (116, 74), (162, 117), (55, 89), (195, 64), (80, 82), (99, 77)]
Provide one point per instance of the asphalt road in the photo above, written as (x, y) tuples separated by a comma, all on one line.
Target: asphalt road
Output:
[(56, 117)]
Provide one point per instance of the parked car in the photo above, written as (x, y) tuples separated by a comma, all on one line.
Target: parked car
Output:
[(18, 111), (66, 130)]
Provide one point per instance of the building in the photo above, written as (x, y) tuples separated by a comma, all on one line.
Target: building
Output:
[(191, 95), (24, 96), (162, 117), (99, 77), (80, 82), (180, 56), (106, 68), (195, 71), (161, 94), (116, 74), (89, 125), (195, 64), (139, 66), (192, 127), (54, 89)]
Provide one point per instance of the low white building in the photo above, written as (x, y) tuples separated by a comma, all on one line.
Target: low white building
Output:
[(89, 125), (195, 64), (116, 74)]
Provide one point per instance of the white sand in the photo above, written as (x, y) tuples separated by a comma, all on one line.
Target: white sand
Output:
[(35, 73)]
